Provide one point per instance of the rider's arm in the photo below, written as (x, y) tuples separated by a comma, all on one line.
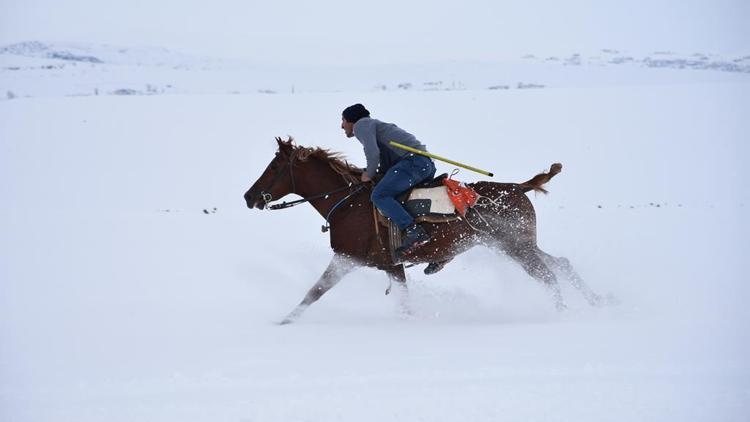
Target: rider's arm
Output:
[(364, 130)]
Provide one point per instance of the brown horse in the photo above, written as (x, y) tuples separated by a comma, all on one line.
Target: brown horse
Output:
[(503, 219)]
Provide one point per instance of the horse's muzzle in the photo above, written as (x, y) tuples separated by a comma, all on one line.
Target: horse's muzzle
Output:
[(255, 201)]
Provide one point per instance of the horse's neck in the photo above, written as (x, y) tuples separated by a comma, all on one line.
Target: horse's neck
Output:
[(314, 178)]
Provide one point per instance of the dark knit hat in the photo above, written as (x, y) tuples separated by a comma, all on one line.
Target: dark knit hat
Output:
[(355, 112)]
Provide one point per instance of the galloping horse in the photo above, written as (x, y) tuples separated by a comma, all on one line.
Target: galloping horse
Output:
[(506, 222)]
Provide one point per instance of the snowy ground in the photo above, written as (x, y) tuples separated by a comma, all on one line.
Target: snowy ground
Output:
[(120, 299)]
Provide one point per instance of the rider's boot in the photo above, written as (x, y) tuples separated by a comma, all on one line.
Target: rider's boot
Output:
[(415, 237)]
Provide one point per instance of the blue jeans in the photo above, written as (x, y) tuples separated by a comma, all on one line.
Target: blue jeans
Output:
[(411, 170)]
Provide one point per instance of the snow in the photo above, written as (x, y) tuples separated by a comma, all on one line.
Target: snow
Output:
[(120, 299)]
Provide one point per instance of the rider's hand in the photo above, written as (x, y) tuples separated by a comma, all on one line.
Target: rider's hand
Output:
[(365, 177)]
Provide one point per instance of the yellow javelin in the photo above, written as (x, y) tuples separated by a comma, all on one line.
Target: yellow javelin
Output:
[(437, 157)]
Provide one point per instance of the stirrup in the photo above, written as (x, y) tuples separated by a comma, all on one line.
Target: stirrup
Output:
[(405, 250)]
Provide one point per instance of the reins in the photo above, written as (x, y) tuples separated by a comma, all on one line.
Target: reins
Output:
[(285, 204), (327, 225)]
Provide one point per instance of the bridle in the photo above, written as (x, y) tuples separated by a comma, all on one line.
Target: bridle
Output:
[(268, 198), (278, 174)]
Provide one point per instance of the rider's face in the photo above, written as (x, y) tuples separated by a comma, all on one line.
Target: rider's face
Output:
[(348, 128)]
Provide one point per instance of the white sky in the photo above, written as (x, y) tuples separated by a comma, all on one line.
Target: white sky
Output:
[(385, 31)]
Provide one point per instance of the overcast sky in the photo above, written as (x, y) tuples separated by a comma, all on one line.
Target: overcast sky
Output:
[(385, 31)]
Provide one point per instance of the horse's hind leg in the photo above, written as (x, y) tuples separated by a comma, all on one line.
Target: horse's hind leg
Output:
[(563, 266), (535, 267), (337, 269)]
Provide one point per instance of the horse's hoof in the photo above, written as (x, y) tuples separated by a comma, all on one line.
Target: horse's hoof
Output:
[(294, 315), (434, 267), (597, 301)]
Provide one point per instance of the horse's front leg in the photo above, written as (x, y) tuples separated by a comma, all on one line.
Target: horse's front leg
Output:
[(398, 274), (337, 269)]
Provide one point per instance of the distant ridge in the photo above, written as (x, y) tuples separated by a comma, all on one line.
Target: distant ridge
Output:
[(48, 69), (658, 59), (159, 56), (41, 50), (102, 53)]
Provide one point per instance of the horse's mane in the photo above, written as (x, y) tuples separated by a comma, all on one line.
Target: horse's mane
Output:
[(335, 160)]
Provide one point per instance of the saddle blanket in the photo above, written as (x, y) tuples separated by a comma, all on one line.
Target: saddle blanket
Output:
[(426, 201), (451, 198)]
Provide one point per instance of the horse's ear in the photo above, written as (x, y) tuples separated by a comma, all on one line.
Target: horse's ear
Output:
[(285, 147)]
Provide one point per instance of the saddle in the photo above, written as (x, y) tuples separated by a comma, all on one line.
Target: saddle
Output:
[(426, 202), (433, 201)]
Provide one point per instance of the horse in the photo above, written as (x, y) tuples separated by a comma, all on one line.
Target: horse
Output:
[(325, 180)]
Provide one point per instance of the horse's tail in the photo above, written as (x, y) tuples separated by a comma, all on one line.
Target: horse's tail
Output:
[(536, 182)]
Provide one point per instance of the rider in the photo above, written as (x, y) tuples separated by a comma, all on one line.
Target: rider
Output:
[(401, 170)]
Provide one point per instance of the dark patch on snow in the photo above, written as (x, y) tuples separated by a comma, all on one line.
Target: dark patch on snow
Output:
[(522, 85), (125, 91), (65, 55), (38, 49)]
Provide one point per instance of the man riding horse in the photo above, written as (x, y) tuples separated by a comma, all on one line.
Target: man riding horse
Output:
[(505, 219), (400, 170)]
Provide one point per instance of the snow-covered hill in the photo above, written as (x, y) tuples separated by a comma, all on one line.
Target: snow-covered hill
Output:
[(34, 69), (658, 59), (101, 54)]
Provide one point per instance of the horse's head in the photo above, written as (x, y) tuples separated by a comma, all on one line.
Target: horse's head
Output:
[(276, 181)]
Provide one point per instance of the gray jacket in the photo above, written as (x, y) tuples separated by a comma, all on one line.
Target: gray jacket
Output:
[(374, 136)]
